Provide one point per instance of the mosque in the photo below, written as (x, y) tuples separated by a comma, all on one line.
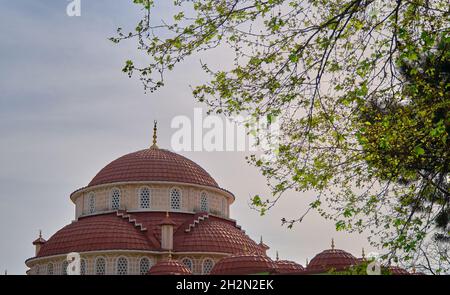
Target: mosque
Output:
[(156, 212)]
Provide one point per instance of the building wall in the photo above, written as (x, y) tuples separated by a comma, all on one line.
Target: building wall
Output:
[(40, 266), (218, 203)]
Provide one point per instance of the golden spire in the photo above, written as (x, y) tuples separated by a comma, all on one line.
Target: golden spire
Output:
[(332, 243), (155, 129)]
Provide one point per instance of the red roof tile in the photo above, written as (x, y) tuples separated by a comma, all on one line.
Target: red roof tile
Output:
[(115, 232), (153, 165), (99, 232), (286, 266), (213, 234), (331, 259), (244, 264), (169, 267), (396, 270)]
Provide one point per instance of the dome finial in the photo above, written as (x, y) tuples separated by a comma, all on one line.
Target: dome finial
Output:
[(307, 261), (332, 243), (278, 257), (155, 129), (40, 233), (363, 254)]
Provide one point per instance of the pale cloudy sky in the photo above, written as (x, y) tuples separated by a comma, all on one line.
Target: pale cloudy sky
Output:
[(66, 110)]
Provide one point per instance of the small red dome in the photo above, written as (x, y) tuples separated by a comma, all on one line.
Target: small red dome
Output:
[(244, 264), (332, 259), (286, 266), (396, 270), (169, 267), (153, 164)]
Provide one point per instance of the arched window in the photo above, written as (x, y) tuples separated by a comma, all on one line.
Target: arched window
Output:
[(144, 265), (50, 268), (144, 198), (207, 266), (188, 263), (223, 207), (100, 266), (115, 199), (122, 266), (83, 267), (64, 266), (91, 203), (175, 199), (204, 202), (37, 269)]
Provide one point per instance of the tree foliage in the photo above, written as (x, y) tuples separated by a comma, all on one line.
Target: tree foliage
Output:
[(361, 90)]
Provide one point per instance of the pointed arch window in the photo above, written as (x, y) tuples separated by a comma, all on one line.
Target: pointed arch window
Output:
[(115, 199), (144, 265), (224, 208), (145, 198), (91, 203), (175, 199), (83, 267), (122, 266), (100, 266), (207, 266), (50, 268), (204, 206), (188, 263), (64, 266)]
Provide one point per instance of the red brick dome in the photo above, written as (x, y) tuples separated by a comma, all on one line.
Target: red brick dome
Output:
[(93, 233), (212, 234), (169, 267), (244, 264), (153, 164), (286, 266), (331, 259), (142, 231), (396, 270)]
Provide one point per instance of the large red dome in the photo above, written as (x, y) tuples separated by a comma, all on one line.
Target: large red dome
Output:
[(142, 231), (95, 233), (169, 267), (153, 164)]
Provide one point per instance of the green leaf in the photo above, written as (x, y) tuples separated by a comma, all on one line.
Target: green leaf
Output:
[(419, 150)]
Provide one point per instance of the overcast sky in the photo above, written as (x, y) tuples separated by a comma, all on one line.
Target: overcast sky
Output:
[(67, 110)]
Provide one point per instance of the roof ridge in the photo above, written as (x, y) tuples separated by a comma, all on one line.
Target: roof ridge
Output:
[(125, 215), (196, 221), (240, 228)]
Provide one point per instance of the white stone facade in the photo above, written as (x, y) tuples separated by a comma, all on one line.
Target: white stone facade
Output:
[(200, 262), (101, 198)]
